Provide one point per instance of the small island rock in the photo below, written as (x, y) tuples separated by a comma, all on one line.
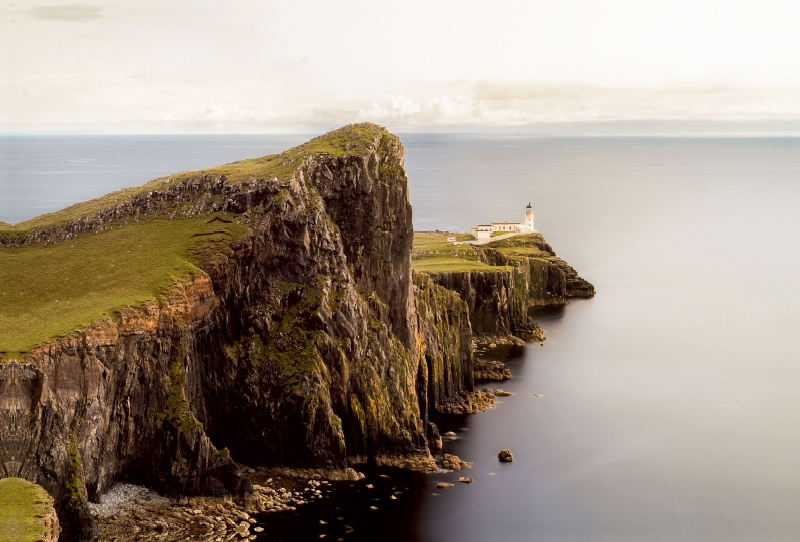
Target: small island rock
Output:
[(505, 456)]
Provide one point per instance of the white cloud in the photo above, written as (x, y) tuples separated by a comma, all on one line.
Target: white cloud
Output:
[(513, 103), (268, 65), (398, 107), (71, 13)]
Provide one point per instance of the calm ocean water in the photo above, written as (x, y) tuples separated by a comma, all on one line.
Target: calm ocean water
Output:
[(670, 406)]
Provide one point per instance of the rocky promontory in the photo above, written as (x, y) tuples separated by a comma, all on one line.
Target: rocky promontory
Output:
[(291, 331), (519, 273)]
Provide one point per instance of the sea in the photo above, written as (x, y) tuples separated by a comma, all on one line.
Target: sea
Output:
[(665, 408)]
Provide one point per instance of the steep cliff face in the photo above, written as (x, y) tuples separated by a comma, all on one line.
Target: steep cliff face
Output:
[(576, 286), (520, 272), (446, 345), (368, 200), (296, 344), (499, 300)]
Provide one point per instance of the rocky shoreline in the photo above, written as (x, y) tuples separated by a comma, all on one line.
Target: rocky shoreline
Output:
[(128, 513)]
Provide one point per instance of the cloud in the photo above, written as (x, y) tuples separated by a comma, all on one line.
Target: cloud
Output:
[(442, 109), (399, 107), (494, 103), (71, 13)]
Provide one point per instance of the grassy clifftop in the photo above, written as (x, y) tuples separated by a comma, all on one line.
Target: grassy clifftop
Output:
[(432, 253), (47, 291), (349, 140), (22, 506)]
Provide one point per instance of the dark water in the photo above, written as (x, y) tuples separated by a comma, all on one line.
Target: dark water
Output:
[(670, 406)]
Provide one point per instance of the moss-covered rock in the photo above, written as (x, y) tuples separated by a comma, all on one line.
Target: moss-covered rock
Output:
[(26, 513)]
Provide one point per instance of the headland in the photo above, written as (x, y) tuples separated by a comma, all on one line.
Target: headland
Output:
[(218, 335)]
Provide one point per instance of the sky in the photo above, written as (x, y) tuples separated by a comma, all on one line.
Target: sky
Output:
[(159, 66)]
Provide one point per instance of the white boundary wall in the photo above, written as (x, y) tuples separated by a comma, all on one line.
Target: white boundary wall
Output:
[(491, 240)]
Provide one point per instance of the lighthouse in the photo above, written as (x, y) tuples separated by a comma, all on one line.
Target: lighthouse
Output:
[(487, 231), (529, 218)]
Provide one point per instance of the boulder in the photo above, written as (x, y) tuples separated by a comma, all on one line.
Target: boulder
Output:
[(453, 462)]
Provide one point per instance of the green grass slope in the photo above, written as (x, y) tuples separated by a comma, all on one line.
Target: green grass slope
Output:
[(521, 245), (432, 253), (48, 291), (22, 506)]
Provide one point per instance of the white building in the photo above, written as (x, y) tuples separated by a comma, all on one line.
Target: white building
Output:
[(485, 231)]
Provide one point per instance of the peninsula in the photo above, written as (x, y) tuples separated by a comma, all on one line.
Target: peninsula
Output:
[(278, 311)]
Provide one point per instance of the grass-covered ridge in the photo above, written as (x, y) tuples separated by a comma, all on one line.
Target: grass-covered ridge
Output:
[(22, 506), (530, 245), (432, 253), (353, 139), (49, 291)]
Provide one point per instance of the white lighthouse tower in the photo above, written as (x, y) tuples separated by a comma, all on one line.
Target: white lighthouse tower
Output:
[(529, 218)]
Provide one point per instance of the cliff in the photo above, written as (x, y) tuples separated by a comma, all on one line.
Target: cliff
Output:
[(445, 344), (263, 312), (293, 340), (517, 273)]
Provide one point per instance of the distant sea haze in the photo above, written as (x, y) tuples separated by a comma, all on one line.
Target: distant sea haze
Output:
[(669, 402)]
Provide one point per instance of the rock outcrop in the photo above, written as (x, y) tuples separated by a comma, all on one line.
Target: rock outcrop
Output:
[(499, 300), (490, 370), (505, 456)]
